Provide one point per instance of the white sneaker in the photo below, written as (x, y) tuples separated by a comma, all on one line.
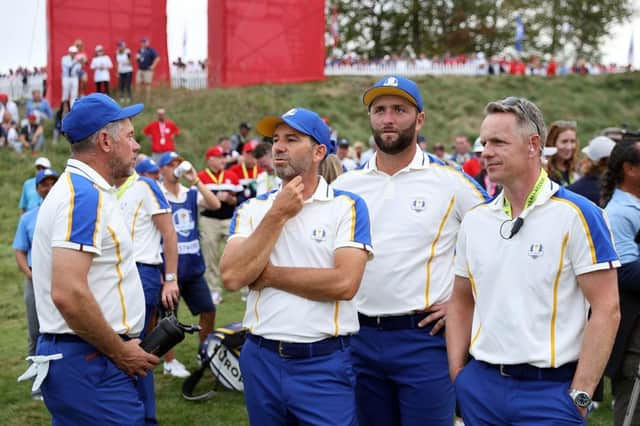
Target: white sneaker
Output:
[(176, 369)]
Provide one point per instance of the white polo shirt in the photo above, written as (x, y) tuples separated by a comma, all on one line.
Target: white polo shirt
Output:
[(81, 213), (140, 199), (328, 220), (415, 216), (528, 305)]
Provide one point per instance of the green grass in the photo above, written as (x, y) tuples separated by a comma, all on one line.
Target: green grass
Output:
[(452, 104)]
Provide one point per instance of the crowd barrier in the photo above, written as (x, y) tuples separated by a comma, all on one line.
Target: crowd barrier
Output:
[(16, 88)]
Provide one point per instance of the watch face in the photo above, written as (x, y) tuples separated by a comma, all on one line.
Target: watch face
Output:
[(582, 399)]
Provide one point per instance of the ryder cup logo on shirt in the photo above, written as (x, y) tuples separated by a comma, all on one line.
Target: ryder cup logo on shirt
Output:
[(391, 81), (418, 204), (536, 250), (183, 222), (319, 234)]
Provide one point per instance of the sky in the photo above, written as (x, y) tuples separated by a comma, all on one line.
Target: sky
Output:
[(23, 33)]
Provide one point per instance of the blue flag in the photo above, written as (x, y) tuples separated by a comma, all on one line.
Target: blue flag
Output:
[(519, 34)]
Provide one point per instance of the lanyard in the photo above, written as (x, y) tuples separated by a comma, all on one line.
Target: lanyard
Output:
[(127, 183), (245, 173), (220, 178), (542, 179)]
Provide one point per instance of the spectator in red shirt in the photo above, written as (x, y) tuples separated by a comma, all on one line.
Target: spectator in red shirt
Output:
[(247, 170), (161, 133), (472, 166), (552, 68)]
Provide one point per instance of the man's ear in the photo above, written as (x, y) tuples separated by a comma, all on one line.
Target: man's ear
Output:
[(104, 142)]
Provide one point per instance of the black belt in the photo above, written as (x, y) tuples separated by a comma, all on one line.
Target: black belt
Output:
[(302, 350), (563, 373), (398, 322), (68, 337)]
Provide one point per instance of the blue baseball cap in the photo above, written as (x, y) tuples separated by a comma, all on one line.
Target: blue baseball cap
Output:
[(147, 166), (394, 85), (301, 119), (45, 174), (91, 113), (168, 158)]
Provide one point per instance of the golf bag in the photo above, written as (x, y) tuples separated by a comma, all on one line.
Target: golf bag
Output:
[(220, 354)]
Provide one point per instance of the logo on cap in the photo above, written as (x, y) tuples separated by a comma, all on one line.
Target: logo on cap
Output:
[(391, 81), (536, 250), (418, 204), (292, 111), (319, 234)]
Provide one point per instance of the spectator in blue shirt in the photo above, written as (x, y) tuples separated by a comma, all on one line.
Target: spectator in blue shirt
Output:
[(44, 181), (39, 105), (30, 198), (621, 196), (147, 59)]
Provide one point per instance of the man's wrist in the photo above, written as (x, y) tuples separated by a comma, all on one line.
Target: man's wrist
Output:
[(169, 277)]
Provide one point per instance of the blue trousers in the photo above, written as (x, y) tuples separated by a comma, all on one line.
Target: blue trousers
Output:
[(87, 388), (402, 377), (485, 397), (291, 391)]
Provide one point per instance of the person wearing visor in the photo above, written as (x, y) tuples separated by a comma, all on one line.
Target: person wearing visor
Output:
[(89, 298), (528, 266), (302, 250), (416, 204)]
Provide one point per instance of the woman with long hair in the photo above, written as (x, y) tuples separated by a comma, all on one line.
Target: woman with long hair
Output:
[(561, 166)]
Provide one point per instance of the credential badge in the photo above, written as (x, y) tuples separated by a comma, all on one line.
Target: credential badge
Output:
[(536, 250)]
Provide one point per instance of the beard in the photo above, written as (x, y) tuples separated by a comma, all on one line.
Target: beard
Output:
[(405, 138), (293, 168)]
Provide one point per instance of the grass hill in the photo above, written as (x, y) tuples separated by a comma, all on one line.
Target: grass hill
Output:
[(452, 104)]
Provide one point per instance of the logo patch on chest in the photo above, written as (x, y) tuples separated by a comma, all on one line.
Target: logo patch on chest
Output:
[(536, 250), (319, 234), (418, 204)]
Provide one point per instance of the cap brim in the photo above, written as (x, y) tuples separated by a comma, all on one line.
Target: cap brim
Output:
[(128, 112), (267, 125), (374, 92)]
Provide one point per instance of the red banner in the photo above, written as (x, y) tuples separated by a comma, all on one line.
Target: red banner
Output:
[(267, 41), (104, 22)]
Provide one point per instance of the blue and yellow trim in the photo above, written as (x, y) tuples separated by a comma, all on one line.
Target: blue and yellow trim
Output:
[(116, 243), (432, 254)]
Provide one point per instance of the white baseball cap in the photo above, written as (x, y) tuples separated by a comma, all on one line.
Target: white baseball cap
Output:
[(599, 147), (477, 145), (43, 162)]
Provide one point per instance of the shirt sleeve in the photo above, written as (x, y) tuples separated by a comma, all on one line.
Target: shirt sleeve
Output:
[(590, 245), (21, 239), (241, 223), (354, 228), (154, 201), (469, 193), (23, 197)]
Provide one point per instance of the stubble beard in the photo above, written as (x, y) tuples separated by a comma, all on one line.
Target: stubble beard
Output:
[(405, 138)]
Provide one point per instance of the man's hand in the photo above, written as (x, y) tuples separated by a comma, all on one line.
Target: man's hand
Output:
[(170, 294), (453, 373), (133, 360), (289, 200), (438, 314)]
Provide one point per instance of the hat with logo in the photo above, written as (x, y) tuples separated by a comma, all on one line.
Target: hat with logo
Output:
[(91, 113), (45, 174), (599, 147), (168, 157), (394, 85), (147, 166), (43, 162), (214, 151), (301, 119)]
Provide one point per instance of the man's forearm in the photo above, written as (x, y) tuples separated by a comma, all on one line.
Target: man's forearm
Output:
[(458, 325), (599, 337)]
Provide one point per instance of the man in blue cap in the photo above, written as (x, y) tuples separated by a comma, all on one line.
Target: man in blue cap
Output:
[(44, 181), (89, 299), (416, 204), (301, 249)]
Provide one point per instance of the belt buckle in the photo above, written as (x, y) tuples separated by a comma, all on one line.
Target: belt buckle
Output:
[(502, 372), (280, 352)]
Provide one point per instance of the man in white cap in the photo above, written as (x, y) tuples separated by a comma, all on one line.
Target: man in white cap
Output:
[(30, 197), (595, 164), (70, 71)]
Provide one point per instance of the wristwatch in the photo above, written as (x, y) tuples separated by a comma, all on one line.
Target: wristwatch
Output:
[(169, 277), (580, 398)]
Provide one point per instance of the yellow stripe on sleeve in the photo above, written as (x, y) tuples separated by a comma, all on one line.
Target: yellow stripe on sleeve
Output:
[(72, 196), (135, 219), (97, 225), (592, 246), (554, 311), (433, 250)]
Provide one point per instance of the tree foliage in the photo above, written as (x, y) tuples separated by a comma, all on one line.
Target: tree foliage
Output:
[(571, 28)]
